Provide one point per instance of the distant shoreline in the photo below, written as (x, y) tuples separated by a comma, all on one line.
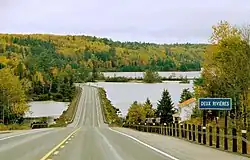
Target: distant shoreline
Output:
[(144, 71), (141, 81)]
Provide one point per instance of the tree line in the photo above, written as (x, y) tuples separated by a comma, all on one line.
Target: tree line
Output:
[(108, 55)]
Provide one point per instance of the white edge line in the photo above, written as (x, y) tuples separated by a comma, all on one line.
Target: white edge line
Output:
[(23, 134), (145, 144)]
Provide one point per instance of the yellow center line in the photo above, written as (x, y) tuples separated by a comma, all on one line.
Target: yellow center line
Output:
[(61, 143)]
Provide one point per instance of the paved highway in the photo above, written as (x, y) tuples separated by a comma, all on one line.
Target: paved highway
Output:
[(88, 138)]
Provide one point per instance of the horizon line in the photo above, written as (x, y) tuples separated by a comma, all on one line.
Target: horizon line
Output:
[(112, 39)]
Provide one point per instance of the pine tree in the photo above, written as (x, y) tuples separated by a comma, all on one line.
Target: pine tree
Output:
[(186, 94), (148, 102), (165, 108), (148, 107)]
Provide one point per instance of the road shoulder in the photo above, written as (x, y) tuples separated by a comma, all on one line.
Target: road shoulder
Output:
[(180, 148)]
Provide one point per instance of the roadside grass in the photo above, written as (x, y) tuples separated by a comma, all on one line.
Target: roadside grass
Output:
[(68, 115), (14, 127), (109, 112)]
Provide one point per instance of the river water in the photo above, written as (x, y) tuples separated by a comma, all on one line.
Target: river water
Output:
[(122, 94), (46, 108)]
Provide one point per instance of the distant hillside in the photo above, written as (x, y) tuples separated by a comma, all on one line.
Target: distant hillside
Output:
[(105, 54)]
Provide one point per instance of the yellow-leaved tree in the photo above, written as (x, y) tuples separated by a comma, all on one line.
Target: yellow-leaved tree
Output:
[(226, 67), (12, 95)]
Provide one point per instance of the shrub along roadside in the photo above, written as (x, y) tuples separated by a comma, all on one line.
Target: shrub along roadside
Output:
[(68, 115), (14, 127), (109, 112)]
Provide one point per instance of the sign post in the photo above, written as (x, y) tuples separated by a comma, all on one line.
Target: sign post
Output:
[(215, 104)]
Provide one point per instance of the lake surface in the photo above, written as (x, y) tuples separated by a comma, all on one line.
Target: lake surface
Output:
[(194, 74), (122, 95), (46, 108)]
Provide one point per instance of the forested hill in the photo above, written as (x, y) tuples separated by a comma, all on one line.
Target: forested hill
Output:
[(107, 55), (45, 67)]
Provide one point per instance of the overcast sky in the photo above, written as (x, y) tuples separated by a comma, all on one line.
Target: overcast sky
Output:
[(160, 21)]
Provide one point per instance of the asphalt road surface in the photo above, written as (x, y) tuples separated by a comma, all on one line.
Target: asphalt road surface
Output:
[(88, 138)]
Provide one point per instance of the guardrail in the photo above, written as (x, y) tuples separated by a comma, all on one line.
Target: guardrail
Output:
[(213, 136)]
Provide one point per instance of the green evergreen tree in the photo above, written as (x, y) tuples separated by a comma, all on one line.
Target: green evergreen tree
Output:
[(186, 94), (148, 102), (148, 107), (165, 108)]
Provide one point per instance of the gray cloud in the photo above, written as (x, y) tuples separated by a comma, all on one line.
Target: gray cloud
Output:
[(158, 21)]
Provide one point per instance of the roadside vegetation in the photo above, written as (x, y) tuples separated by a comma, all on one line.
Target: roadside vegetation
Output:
[(110, 113), (226, 74), (138, 112), (68, 115), (14, 127)]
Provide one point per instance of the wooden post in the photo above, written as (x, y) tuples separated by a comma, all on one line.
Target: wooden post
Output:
[(210, 136), (189, 132), (204, 127), (182, 131), (193, 132), (199, 134), (174, 129), (226, 132), (234, 134), (170, 128), (177, 130), (217, 137), (185, 130), (244, 143)]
